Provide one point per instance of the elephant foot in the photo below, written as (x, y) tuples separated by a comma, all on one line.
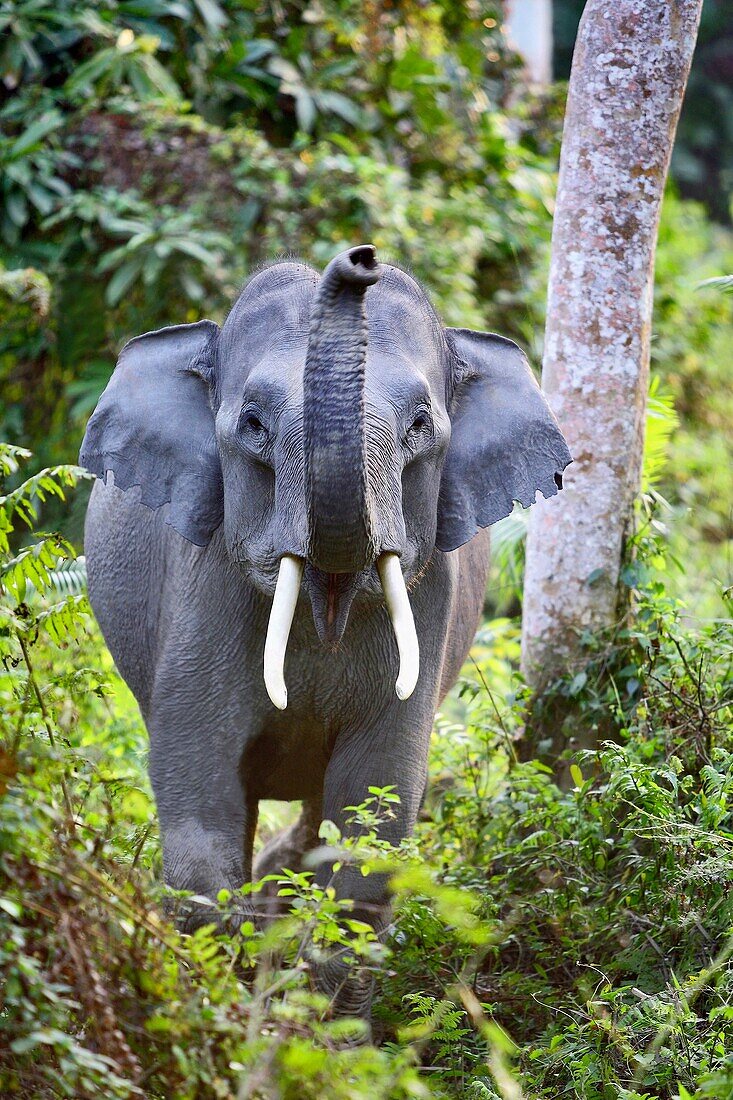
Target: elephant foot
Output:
[(188, 915), (348, 986)]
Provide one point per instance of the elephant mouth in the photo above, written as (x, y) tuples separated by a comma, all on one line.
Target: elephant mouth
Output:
[(332, 595)]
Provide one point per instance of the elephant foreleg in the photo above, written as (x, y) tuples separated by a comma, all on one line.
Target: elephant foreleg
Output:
[(207, 824), (371, 758)]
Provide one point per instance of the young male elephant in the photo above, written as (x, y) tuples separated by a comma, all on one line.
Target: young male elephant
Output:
[(277, 489)]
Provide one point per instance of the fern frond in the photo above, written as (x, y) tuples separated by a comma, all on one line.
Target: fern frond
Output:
[(70, 579), (63, 620), (724, 282), (32, 567), (11, 457)]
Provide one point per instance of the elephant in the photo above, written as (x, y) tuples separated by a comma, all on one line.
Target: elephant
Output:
[(305, 490)]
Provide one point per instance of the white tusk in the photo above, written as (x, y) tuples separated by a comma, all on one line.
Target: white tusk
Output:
[(403, 624), (278, 628)]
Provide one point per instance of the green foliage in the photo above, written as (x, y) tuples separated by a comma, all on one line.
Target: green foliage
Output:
[(544, 942), (129, 63), (31, 375), (610, 913), (690, 355), (99, 994), (30, 164)]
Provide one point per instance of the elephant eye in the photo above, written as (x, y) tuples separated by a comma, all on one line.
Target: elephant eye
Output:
[(420, 422), (253, 429)]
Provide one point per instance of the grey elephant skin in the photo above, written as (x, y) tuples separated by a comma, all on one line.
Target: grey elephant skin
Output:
[(334, 423)]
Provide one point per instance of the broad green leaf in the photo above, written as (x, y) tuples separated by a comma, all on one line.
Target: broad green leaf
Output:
[(122, 280), (36, 132)]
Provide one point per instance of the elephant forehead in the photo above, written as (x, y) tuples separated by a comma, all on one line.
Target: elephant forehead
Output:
[(390, 370), (266, 337), (279, 280), (406, 351), (271, 378), (276, 304), (400, 318), (278, 374)]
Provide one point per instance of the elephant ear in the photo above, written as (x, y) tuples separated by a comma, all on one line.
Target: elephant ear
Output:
[(505, 442), (154, 427)]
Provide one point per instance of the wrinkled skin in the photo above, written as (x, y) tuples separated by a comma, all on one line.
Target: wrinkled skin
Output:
[(291, 432)]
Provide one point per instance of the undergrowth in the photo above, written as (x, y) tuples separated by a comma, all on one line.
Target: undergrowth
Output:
[(545, 943)]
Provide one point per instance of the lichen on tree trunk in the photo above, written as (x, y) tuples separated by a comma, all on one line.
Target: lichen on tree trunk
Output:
[(630, 68)]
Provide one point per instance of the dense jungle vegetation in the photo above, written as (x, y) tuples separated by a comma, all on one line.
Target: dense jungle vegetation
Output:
[(545, 943)]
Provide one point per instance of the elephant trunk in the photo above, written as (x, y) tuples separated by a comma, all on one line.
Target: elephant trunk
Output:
[(345, 533), (341, 525)]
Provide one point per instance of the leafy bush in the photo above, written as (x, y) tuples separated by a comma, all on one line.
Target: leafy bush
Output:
[(100, 996), (29, 363), (690, 353), (544, 942), (608, 905)]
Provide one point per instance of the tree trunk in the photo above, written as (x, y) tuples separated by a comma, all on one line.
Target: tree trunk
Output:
[(528, 26), (630, 67)]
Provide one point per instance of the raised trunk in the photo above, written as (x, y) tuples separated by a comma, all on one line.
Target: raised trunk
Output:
[(341, 527), (629, 72)]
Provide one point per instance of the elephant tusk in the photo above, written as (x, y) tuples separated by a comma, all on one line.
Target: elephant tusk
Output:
[(403, 624), (278, 629)]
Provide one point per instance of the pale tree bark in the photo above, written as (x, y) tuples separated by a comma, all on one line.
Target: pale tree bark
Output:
[(630, 68), (528, 25)]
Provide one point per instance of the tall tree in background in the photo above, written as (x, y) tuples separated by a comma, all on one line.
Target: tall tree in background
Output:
[(630, 68), (702, 159)]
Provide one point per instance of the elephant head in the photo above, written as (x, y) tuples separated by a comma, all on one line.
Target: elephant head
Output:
[(338, 432)]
